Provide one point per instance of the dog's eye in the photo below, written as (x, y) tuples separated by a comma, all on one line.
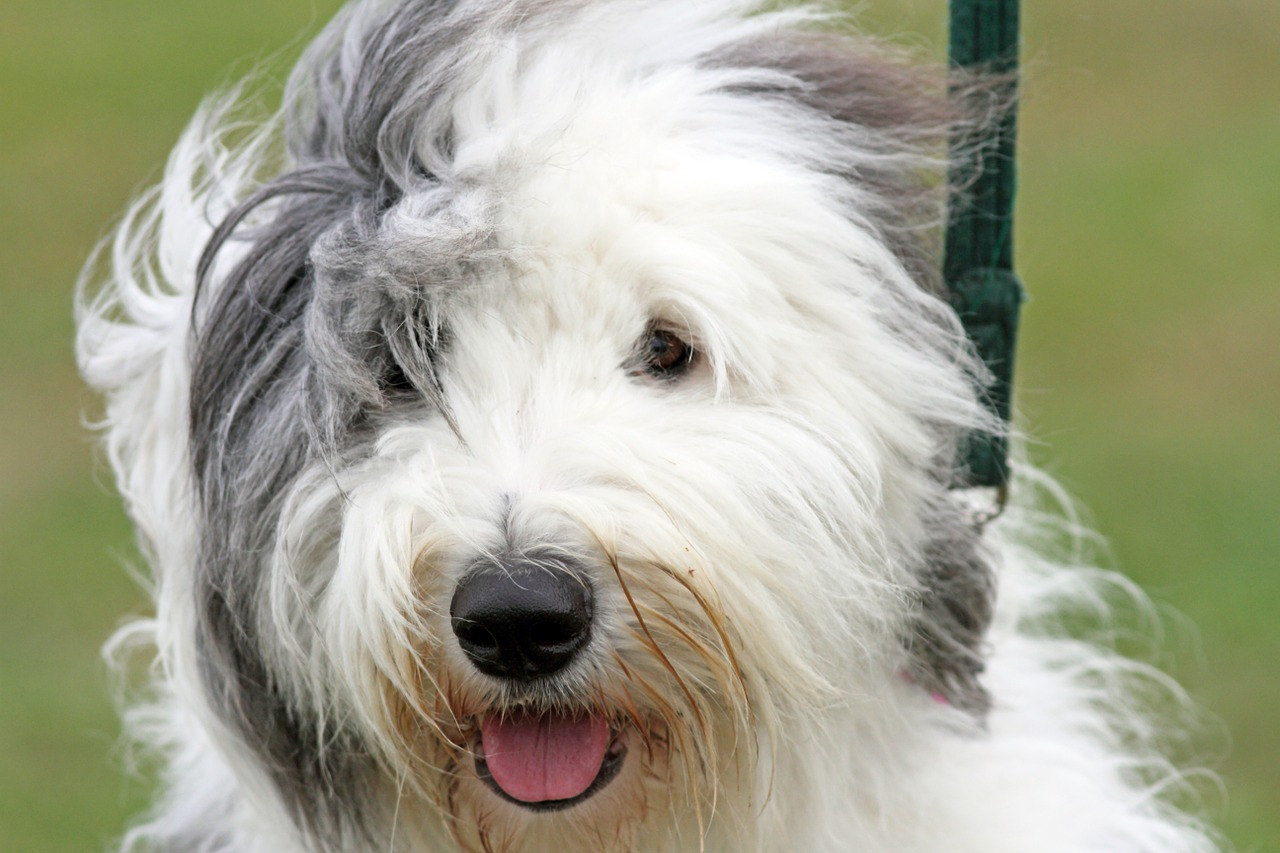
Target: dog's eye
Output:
[(394, 380), (666, 355)]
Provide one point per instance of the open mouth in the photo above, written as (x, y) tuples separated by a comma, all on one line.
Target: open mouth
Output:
[(548, 761)]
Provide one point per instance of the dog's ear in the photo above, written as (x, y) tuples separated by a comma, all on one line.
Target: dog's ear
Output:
[(272, 383), (956, 600), (894, 119), (254, 426), (303, 328), (893, 114)]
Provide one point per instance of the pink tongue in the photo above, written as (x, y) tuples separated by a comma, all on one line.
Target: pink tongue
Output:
[(547, 757)]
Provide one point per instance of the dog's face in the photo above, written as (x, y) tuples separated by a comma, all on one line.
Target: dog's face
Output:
[(566, 424)]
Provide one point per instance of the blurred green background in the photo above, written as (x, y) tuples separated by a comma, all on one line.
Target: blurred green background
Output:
[(1149, 236)]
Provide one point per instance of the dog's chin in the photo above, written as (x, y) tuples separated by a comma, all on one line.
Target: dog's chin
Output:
[(548, 761)]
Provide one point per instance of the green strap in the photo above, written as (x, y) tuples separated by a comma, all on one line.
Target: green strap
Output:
[(978, 261)]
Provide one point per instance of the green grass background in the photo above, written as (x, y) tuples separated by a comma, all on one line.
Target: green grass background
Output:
[(1150, 360)]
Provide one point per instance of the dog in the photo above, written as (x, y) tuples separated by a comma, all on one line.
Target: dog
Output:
[(542, 435)]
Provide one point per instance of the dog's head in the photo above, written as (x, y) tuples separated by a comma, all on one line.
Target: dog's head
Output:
[(570, 418)]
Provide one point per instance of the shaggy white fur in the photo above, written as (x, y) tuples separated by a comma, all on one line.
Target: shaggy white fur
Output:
[(625, 292)]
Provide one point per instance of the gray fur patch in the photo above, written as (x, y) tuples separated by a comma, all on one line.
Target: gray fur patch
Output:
[(956, 604), (316, 329)]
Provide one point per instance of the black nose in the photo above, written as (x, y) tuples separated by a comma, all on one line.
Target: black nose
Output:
[(522, 618)]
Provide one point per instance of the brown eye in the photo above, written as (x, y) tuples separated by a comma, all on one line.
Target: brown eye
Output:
[(395, 380), (666, 356)]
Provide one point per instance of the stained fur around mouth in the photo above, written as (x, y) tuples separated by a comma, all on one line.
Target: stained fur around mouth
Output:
[(615, 757)]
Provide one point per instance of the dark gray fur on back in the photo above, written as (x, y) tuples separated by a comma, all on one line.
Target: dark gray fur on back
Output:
[(324, 321)]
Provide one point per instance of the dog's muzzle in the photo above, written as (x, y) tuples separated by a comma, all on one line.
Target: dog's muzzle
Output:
[(523, 621)]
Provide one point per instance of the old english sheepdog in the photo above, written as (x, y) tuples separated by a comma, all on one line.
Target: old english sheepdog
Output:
[(542, 438)]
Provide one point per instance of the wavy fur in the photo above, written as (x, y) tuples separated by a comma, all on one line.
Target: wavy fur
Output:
[(398, 330)]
